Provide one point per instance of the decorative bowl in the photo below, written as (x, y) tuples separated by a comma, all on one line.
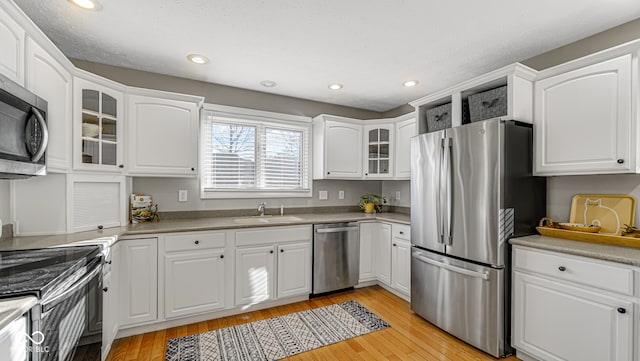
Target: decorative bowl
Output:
[(590, 228)]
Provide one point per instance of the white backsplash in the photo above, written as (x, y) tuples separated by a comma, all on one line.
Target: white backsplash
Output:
[(5, 205)]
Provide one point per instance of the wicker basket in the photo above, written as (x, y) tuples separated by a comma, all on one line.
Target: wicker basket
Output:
[(439, 117), (488, 104)]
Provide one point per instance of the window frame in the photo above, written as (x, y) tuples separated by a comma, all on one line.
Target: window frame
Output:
[(228, 114)]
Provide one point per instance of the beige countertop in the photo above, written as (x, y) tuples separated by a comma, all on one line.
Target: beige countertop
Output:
[(12, 308), (111, 235), (625, 255)]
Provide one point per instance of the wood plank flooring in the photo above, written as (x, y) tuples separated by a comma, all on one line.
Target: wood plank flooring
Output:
[(409, 338)]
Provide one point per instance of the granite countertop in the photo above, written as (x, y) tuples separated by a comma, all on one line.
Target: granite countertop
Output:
[(625, 255), (111, 235), (12, 308)]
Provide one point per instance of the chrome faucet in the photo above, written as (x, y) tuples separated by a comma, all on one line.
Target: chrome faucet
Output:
[(261, 208)]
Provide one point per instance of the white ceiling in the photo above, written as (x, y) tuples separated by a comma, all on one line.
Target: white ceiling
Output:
[(371, 47)]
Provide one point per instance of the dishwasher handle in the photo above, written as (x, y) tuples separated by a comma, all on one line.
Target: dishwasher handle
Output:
[(337, 229)]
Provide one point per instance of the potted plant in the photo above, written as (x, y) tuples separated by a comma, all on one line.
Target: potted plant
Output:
[(368, 202)]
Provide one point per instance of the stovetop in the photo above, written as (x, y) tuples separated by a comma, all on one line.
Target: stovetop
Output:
[(38, 271)]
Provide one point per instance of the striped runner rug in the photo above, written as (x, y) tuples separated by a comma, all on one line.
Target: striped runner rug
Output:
[(279, 337)]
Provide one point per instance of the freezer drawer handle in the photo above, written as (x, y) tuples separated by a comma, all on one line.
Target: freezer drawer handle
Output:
[(334, 230), (483, 275)]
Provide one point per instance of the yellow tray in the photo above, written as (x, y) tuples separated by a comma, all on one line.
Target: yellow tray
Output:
[(590, 237), (610, 212)]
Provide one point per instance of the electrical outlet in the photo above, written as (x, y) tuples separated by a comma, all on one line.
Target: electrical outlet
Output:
[(340, 194), (397, 195), (323, 195), (182, 195)]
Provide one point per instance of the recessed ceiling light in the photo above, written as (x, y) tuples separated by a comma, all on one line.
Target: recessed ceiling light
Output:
[(197, 58), (410, 83), (85, 4), (335, 86), (268, 83)]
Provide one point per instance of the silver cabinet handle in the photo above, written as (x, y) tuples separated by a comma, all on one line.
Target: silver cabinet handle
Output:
[(333, 230), (45, 135), (483, 275)]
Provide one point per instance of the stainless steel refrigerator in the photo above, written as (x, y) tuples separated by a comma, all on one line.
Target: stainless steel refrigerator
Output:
[(471, 190)]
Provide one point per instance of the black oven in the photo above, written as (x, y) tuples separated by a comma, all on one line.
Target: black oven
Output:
[(23, 131)]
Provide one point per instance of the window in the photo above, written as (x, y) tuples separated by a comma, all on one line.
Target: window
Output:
[(248, 153)]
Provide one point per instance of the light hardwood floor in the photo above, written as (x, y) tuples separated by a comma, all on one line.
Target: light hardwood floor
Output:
[(409, 337)]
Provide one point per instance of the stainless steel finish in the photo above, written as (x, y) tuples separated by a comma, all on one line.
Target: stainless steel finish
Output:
[(11, 169), (336, 256), (45, 135), (426, 220), (50, 303), (458, 299), (447, 176), (476, 159)]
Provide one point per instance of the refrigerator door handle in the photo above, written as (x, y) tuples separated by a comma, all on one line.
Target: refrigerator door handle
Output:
[(482, 275), (448, 175), (439, 198)]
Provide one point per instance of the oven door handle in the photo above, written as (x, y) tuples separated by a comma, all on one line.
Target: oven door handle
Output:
[(53, 302)]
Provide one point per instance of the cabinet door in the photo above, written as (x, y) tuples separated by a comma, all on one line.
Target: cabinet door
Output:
[(110, 320), (163, 136), (583, 120), (48, 79), (382, 253), (42, 205), (343, 150), (556, 321), (404, 131), (378, 151), (193, 282), (367, 234), (294, 269), (401, 266), (96, 202), (255, 275), (98, 126), (138, 281), (13, 340), (12, 45)]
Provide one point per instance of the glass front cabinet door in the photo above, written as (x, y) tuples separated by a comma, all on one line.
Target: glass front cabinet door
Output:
[(99, 126), (378, 151)]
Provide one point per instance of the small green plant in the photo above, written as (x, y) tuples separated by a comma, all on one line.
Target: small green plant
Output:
[(377, 201)]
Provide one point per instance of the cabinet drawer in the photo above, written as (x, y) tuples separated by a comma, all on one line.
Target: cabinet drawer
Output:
[(191, 241), (576, 269), (273, 235), (401, 231)]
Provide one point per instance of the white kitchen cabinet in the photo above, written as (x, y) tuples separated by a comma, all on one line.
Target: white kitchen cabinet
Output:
[(368, 231), (98, 128), (337, 148), (194, 273), (401, 258), (12, 42), (584, 120), (50, 80), (564, 309), (255, 275), (382, 253), (294, 269), (13, 340), (378, 151), (138, 283), (110, 301), (95, 202), (406, 128), (162, 133)]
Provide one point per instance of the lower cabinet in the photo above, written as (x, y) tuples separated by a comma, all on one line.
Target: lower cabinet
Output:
[(555, 318), (368, 232), (401, 266), (110, 315), (294, 269), (382, 253), (138, 281), (13, 340)]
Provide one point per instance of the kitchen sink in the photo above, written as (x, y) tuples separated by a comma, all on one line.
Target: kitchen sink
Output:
[(266, 219)]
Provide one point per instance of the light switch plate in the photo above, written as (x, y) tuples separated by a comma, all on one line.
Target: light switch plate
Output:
[(340, 194), (182, 195), (397, 195), (323, 195)]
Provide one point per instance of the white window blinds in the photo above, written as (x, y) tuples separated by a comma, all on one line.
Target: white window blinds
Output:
[(243, 156)]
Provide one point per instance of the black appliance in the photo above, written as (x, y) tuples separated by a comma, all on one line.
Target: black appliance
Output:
[(23, 132), (68, 284)]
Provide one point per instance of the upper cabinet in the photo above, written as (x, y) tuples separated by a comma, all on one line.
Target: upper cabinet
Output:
[(162, 133), (98, 124), (378, 151), (405, 129), (584, 116), (50, 79), (337, 148), (12, 44)]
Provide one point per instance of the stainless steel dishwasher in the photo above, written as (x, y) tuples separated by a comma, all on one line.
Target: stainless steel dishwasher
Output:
[(336, 256)]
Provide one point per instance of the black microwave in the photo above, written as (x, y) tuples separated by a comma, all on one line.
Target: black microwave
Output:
[(23, 132)]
